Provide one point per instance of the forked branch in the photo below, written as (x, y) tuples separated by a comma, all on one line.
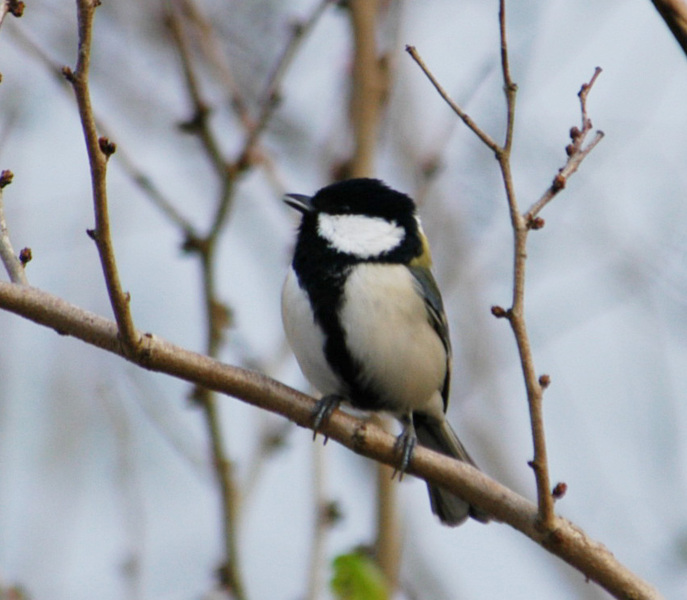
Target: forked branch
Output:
[(522, 224)]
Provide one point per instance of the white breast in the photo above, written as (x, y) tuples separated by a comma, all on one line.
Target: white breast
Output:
[(387, 330), (306, 338), (359, 235)]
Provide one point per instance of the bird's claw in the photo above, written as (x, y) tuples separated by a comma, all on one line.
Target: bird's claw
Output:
[(323, 410), (404, 446)]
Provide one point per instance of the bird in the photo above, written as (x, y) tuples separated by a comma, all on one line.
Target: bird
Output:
[(364, 317)]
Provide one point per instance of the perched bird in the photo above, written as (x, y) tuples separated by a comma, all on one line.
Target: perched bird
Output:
[(364, 317)]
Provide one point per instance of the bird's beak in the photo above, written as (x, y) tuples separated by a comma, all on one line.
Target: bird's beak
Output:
[(300, 202)]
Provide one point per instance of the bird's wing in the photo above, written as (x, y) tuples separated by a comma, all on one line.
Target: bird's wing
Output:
[(436, 316)]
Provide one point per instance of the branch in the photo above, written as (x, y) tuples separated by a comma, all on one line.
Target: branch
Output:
[(509, 88), (563, 539), (480, 133), (99, 150), (674, 13), (218, 315), (199, 121), (521, 225), (368, 86), (576, 152), (14, 265), (126, 162), (516, 314), (271, 96), (368, 90), (210, 45)]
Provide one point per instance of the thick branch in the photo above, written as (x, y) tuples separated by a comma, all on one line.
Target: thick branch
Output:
[(563, 539), (674, 13)]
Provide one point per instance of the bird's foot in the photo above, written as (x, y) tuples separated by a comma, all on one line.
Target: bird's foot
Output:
[(404, 446), (323, 410)]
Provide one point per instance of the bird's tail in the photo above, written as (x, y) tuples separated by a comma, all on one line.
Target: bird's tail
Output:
[(439, 436)]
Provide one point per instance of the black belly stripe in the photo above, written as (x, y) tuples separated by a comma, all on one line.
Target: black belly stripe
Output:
[(325, 290)]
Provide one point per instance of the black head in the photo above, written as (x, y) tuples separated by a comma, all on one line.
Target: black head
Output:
[(370, 197), (334, 225)]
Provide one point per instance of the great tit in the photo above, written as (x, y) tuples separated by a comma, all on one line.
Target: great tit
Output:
[(364, 317)]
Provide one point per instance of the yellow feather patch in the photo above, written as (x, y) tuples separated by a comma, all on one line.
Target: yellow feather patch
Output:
[(424, 260)]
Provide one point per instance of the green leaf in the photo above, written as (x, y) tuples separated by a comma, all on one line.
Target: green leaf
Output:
[(358, 577)]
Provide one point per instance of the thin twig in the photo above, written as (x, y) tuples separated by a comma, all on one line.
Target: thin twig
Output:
[(124, 160), (4, 9), (576, 152), (199, 123), (270, 97), (99, 150), (209, 44), (389, 539), (564, 539), (230, 572), (215, 313), (516, 314), (509, 88), (480, 133), (13, 265), (153, 192), (269, 101), (316, 560)]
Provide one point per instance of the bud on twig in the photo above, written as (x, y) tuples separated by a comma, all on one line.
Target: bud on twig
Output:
[(25, 256), (6, 178), (68, 73), (558, 182), (535, 223), (15, 8), (500, 312), (107, 147), (559, 490)]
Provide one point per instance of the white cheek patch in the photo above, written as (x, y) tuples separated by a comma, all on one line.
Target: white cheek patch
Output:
[(359, 235)]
